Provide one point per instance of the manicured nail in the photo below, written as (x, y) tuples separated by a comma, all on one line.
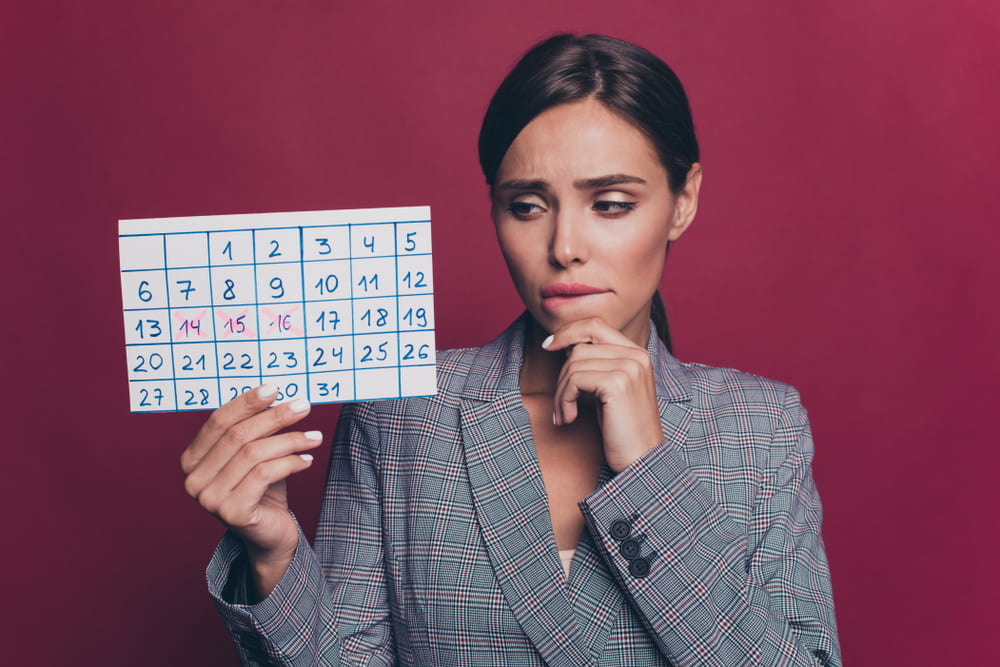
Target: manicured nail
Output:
[(315, 436), (555, 422), (267, 391), (299, 405), (547, 342), (306, 457)]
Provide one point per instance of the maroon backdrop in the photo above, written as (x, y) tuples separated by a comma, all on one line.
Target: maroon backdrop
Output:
[(847, 243)]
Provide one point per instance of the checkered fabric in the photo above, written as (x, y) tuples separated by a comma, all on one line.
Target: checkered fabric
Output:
[(435, 545)]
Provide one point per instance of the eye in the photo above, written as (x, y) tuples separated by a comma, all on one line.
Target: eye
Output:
[(525, 210), (613, 209)]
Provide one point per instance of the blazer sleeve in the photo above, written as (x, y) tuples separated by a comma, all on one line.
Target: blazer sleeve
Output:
[(330, 606), (714, 590)]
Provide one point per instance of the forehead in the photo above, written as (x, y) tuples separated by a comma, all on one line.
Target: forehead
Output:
[(580, 140)]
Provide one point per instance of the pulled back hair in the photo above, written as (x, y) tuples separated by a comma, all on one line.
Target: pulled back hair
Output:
[(625, 78)]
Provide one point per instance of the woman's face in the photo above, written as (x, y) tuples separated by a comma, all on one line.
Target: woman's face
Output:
[(583, 212)]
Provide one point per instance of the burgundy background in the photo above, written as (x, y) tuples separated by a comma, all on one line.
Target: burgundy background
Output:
[(847, 243)]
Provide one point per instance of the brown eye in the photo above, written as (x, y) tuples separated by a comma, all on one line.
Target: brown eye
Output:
[(523, 209), (614, 208)]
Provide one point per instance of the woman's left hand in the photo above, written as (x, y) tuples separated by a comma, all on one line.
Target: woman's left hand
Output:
[(604, 363)]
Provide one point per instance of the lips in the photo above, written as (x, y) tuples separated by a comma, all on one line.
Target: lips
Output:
[(560, 294), (569, 289)]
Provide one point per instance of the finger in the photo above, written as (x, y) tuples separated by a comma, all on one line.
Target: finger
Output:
[(590, 330), (208, 485), (240, 506), (236, 436), (260, 451), (607, 351), (607, 379), (243, 406)]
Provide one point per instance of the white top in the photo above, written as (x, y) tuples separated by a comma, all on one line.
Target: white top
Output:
[(566, 556)]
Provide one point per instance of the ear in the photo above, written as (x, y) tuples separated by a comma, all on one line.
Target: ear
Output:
[(686, 204)]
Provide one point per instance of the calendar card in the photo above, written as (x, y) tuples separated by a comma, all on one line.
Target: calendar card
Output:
[(327, 305)]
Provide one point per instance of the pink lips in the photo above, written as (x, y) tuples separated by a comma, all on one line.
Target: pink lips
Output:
[(558, 294)]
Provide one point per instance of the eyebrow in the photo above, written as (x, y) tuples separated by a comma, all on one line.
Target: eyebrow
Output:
[(582, 184)]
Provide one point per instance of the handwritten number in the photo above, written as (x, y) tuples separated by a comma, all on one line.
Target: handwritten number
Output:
[(328, 317), (327, 285), (419, 316), (380, 321), (154, 361), (369, 351), (157, 395), (274, 249), (144, 293), (192, 398), (416, 280), (278, 287), (421, 352), (369, 280), (229, 294), (190, 363), (153, 327), (236, 392), (324, 389), (324, 245)]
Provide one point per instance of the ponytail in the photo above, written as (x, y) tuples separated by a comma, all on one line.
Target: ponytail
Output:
[(658, 313)]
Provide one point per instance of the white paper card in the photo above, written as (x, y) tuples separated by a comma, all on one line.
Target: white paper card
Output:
[(328, 305)]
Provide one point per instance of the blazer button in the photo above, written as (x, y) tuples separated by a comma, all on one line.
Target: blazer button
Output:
[(638, 567), (620, 530), (629, 549)]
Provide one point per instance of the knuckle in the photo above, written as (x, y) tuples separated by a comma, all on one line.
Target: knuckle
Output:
[(215, 420), (187, 461), (252, 451), (260, 473), (210, 501), (191, 487), (228, 515), (239, 433)]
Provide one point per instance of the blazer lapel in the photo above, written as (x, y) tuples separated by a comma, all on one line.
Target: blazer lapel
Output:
[(512, 507), (510, 502)]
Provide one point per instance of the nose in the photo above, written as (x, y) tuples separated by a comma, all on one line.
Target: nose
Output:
[(569, 241)]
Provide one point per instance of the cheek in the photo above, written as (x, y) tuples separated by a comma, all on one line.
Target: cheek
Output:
[(514, 251)]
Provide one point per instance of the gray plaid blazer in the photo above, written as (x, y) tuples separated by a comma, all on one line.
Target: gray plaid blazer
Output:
[(435, 546)]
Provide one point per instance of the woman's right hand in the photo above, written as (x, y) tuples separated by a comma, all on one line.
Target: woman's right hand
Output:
[(236, 468)]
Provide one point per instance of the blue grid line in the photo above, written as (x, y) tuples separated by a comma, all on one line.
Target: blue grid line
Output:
[(305, 324), (279, 227), (350, 286), (256, 297), (170, 335), (301, 261), (251, 303), (211, 300), (305, 374), (288, 338), (399, 355)]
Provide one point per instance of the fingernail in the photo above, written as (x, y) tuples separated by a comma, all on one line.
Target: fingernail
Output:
[(555, 422), (267, 390), (306, 457), (299, 405), (547, 342), (315, 436)]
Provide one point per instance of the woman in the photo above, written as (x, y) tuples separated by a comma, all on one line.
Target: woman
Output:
[(573, 494)]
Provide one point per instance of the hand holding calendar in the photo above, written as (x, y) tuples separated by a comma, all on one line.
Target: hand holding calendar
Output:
[(236, 469)]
